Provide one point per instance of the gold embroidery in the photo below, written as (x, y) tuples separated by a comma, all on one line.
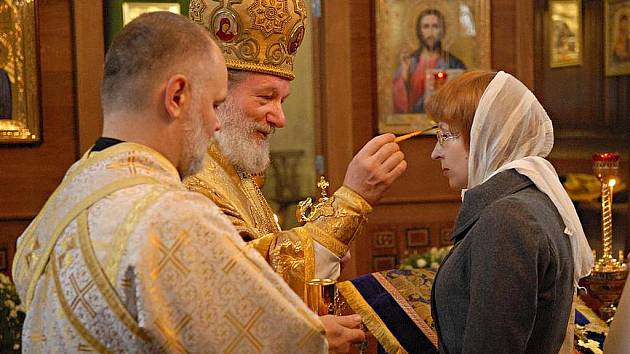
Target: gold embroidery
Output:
[(104, 286), (31, 258), (85, 163), (169, 253), (67, 244), (309, 261), (171, 333), (307, 338), (332, 244), (37, 312), (130, 164), (38, 337), (239, 253), (125, 229), (244, 331), (76, 323), (259, 208), (80, 292), (232, 262), (84, 348), (409, 310), (288, 256), (67, 219), (314, 322)]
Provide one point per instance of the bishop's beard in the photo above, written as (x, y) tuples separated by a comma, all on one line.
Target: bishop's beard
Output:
[(237, 141)]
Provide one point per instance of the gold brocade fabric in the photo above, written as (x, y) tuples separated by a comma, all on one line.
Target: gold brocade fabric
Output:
[(254, 35), (290, 253)]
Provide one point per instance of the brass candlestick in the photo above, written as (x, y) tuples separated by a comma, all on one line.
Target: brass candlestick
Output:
[(609, 274)]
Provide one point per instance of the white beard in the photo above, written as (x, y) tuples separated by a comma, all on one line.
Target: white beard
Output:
[(235, 138)]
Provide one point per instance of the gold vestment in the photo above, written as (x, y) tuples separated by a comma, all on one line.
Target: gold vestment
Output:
[(291, 252)]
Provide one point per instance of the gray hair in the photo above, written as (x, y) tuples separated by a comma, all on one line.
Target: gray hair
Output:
[(150, 47), (236, 76)]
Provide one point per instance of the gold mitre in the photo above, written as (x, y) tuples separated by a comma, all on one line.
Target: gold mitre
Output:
[(255, 35)]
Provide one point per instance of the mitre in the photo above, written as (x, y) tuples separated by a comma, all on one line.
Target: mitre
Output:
[(254, 35)]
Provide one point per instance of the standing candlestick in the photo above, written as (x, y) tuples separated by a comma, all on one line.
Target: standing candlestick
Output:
[(606, 168), (609, 274)]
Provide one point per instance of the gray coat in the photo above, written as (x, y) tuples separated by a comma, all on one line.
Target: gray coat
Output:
[(507, 285)]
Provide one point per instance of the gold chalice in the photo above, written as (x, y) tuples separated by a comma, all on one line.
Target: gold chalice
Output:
[(321, 295)]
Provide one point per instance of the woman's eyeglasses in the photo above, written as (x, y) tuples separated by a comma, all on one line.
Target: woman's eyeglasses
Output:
[(443, 136)]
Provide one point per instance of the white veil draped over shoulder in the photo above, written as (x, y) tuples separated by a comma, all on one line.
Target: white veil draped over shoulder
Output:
[(511, 130)]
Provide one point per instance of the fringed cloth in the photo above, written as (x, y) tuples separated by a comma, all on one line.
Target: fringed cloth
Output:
[(396, 308)]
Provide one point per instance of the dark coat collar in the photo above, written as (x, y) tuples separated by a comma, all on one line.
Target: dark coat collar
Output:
[(478, 198)]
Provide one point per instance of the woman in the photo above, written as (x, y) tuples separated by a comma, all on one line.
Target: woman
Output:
[(507, 285)]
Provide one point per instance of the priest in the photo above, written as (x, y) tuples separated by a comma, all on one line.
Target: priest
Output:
[(260, 59)]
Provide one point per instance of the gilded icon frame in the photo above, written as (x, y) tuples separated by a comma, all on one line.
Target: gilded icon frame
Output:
[(119, 12), (398, 39), (19, 74), (617, 54), (565, 33), (133, 9)]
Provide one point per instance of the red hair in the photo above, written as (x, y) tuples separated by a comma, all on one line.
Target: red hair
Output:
[(456, 102)]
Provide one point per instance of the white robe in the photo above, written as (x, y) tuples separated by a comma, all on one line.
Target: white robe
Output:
[(124, 259)]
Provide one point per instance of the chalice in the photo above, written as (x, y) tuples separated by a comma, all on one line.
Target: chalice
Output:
[(609, 274), (321, 296)]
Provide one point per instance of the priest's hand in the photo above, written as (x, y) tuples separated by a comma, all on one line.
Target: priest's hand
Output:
[(342, 332), (375, 167)]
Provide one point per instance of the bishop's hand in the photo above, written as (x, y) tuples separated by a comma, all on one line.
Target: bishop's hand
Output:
[(375, 167)]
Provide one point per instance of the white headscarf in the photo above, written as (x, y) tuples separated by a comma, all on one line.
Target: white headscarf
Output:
[(511, 130)]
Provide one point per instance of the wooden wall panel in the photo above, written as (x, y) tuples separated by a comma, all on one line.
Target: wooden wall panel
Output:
[(503, 44), (90, 53), (347, 59), (29, 174), (513, 38), (590, 111)]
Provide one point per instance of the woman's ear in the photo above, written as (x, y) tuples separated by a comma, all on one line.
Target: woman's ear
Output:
[(176, 95)]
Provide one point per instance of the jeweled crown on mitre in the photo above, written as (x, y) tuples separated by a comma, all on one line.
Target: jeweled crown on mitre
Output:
[(255, 35)]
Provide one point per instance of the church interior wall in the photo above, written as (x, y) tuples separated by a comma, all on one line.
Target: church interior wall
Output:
[(29, 174), (590, 112), (421, 199), (335, 119)]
